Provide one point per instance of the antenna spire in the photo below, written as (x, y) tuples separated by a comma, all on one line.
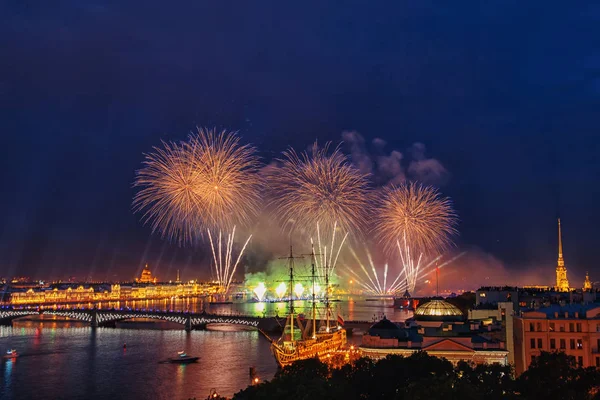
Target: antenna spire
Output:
[(437, 281)]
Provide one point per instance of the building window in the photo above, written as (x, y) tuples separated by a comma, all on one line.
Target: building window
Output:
[(551, 326), (579, 327), (532, 343), (563, 344), (598, 362), (531, 327), (579, 344), (598, 344), (580, 361), (538, 327), (540, 343), (552, 344), (562, 328), (571, 327), (572, 344)]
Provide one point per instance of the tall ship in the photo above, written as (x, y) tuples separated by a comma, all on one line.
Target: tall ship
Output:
[(301, 339)]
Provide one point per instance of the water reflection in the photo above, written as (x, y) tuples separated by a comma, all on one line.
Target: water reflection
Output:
[(92, 363), (8, 367)]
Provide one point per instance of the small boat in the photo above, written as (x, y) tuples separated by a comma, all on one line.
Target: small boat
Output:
[(11, 354), (183, 358)]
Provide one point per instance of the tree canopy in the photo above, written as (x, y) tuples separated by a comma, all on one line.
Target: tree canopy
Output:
[(421, 376)]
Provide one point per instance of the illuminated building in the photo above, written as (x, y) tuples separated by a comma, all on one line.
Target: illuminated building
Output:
[(441, 331), (20, 279), (587, 284), (562, 283), (503, 312), (573, 329), (29, 296), (78, 294), (146, 276), (530, 297), (117, 292), (496, 294)]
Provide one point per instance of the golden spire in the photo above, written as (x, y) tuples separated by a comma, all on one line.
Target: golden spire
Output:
[(562, 283), (587, 284), (561, 261)]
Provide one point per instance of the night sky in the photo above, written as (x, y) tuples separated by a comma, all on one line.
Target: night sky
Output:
[(504, 96)]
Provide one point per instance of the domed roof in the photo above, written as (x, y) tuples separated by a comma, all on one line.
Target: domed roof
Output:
[(438, 310), (386, 329)]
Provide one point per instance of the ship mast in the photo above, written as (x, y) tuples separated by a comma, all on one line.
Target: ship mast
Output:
[(314, 304), (291, 258)]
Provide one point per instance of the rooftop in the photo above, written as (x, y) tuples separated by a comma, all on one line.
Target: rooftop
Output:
[(581, 310)]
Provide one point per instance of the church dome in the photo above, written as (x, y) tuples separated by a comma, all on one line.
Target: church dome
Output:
[(146, 276), (438, 310)]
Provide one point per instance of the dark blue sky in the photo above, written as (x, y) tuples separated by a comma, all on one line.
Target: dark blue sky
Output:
[(506, 95)]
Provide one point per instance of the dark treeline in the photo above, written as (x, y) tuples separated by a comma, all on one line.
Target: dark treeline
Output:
[(420, 376)]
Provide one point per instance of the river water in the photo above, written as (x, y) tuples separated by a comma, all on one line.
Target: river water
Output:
[(69, 360)]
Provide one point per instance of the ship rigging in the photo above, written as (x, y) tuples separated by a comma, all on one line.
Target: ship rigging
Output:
[(310, 342)]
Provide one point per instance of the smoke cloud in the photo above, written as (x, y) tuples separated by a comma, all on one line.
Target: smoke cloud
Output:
[(392, 167), (477, 268)]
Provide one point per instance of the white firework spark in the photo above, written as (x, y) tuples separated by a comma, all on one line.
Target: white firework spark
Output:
[(222, 252), (327, 256), (374, 280)]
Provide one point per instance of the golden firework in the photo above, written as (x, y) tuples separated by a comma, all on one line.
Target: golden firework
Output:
[(416, 216), (208, 182), (227, 182), (316, 189)]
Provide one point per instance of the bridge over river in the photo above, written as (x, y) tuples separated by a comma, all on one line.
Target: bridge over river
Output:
[(108, 317)]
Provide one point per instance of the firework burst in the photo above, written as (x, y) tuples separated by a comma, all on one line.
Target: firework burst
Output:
[(417, 216), (419, 222), (314, 188), (210, 181), (226, 182)]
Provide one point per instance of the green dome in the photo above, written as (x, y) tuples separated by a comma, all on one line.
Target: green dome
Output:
[(438, 310)]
